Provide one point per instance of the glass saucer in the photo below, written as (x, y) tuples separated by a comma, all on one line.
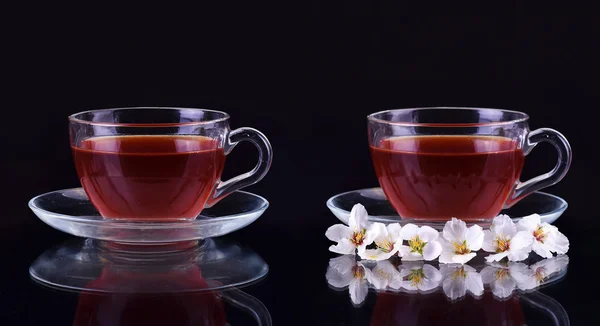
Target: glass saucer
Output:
[(71, 211), (549, 207), (107, 267)]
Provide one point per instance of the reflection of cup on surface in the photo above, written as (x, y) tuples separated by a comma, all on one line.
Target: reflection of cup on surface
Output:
[(158, 164), (188, 283), (176, 308), (439, 163), (435, 309)]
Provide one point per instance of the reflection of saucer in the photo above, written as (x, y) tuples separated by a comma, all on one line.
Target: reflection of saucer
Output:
[(549, 207), (93, 266), (71, 211), (189, 283)]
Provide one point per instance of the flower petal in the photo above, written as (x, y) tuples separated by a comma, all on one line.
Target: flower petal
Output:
[(378, 281), (337, 279), (409, 231), (521, 241), (446, 257), (560, 243), (428, 285), (383, 275), (432, 250), (518, 255), (412, 256), (394, 230), (432, 273), (474, 237), (488, 274), (474, 283), (541, 249), (344, 247), (524, 277), (463, 259), (503, 226), (343, 264), (454, 230), (447, 270), (428, 234), (358, 291), (529, 223), (503, 287), (409, 286), (403, 250), (338, 232), (496, 257), (454, 288), (375, 254), (373, 231), (488, 241), (551, 265), (358, 218)]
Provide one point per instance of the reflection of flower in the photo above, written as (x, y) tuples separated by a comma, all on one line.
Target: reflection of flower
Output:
[(384, 275), (419, 276), (460, 242), (458, 279), (543, 269), (355, 236), (387, 240), (422, 243), (547, 238), (504, 239), (505, 278), (346, 271)]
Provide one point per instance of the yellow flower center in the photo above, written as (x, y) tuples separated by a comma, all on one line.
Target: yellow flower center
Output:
[(460, 248), (416, 244), (385, 244), (358, 272), (539, 234), (381, 274), (502, 244), (502, 274), (358, 237), (459, 273), (416, 277), (540, 275)]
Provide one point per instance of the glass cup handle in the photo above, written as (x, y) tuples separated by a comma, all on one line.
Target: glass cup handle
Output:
[(265, 156), (522, 189), (248, 303)]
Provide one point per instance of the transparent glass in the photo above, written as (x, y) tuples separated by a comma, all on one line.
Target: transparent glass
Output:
[(70, 211), (548, 207), (159, 164), (198, 282), (441, 162)]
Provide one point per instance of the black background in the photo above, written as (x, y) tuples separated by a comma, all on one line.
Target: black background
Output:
[(306, 74)]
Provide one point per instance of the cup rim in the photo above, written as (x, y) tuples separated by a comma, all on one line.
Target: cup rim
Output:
[(73, 117), (524, 117)]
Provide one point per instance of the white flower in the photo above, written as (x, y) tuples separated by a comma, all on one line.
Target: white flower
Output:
[(357, 235), (422, 243), (387, 239), (460, 242), (384, 275), (419, 277), (545, 268), (503, 239), (505, 278), (458, 279), (547, 238), (346, 271)]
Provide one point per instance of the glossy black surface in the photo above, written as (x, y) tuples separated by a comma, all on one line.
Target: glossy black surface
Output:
[(306, 74)]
